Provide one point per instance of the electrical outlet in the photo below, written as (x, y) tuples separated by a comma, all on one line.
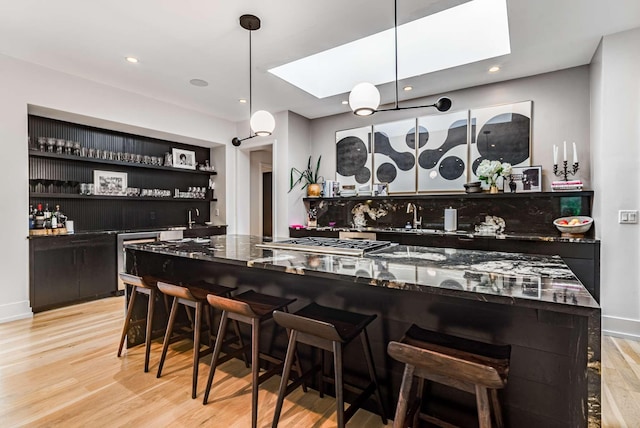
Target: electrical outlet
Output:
[(628, 216), (217, 212)]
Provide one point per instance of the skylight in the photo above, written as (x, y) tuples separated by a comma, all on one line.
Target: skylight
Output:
[(467, 33)]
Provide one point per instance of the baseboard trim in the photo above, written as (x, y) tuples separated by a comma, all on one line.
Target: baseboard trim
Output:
[(621, 327), (15, 311)]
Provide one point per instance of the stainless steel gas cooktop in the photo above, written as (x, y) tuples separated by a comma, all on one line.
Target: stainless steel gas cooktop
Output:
[(345, 247)]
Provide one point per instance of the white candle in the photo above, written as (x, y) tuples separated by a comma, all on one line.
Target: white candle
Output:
[(565, 152), (555, 154), (575, 153)]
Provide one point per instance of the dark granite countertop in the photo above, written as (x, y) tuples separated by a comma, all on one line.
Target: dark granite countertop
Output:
[(458, 233), (543, 282)]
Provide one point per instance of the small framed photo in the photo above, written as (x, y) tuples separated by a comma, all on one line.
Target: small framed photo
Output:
[(524, 179), (110, 183), (185, 159), (380, 189)]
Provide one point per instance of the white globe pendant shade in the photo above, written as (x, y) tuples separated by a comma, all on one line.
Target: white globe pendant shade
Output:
[(262, 123), (364, 99)]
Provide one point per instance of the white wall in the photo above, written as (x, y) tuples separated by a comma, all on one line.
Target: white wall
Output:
[(22, 85), (560, 112), (615, 88)]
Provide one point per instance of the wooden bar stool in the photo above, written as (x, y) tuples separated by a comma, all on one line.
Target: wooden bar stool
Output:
[(143, 285), (464, 364), (191, 296), (250, 308), (330, 330)]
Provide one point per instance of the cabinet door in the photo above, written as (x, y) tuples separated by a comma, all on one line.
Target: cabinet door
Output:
[(53, 277), (97, 268)]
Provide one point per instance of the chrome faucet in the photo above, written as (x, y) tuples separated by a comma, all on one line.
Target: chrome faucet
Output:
[(412, 208), (191, 222)]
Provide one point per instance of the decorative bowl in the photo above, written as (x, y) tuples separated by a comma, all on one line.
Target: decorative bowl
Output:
[(583, 226), (473, 187)]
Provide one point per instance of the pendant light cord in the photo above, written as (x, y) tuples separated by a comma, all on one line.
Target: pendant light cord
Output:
[(250, 80), (395, 30)]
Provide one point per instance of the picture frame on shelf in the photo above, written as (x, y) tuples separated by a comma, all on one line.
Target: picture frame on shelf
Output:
[(184, 159), (380, 189), (524, 179), (110, 183)]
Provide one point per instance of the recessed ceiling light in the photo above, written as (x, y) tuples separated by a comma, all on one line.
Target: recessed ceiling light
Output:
[(407, 88), (199, 82), (345, 102), (131, 59), (242, 101), (436, 42), (494, 69)]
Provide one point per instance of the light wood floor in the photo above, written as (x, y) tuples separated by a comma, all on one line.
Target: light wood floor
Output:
[(60, 369)]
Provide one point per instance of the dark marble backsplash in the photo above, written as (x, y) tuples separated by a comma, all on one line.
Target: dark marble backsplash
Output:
[(522, 213)]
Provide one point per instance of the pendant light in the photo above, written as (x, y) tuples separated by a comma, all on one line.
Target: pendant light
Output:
[(262, 122), (364, 98)]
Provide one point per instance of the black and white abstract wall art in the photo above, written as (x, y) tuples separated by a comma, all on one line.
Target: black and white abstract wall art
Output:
[(501, 133), (442, 151), (354, 156), (394, 158)]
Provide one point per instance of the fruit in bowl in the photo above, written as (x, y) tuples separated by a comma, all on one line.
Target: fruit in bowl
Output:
[(575, 224)]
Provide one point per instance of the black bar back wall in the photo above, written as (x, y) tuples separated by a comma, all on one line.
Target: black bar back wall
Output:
[(54, 176)]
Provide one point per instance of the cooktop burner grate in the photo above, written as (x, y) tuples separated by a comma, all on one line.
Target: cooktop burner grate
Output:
[(350, 247)]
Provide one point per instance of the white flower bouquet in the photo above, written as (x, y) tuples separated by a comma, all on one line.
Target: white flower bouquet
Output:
[(490, 170)]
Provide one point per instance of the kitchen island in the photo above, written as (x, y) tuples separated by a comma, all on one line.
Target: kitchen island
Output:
[(533, 303)]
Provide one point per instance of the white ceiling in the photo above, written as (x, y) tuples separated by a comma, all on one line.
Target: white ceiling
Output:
[(181, 40)]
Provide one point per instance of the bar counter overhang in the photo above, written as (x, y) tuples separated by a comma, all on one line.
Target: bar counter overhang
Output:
[(534, 303)]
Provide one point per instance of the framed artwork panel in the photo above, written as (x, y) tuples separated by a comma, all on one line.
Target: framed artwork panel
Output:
[(354, 158), (394, 157), (500, 133), (442, 152)]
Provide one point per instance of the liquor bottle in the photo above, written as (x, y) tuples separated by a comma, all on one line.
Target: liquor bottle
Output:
[(32, 219), (60, 218), (39, 217), (47, 217)]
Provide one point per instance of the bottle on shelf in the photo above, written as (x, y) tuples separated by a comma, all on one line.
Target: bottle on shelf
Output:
[(39, 217), (60, 218), (47, 217), (32, 218)]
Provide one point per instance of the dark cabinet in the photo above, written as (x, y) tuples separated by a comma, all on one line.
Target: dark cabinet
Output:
[(67, 269), (203, 231)]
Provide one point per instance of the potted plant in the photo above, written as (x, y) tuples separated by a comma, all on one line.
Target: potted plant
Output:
[(308, 177), (490, 170)]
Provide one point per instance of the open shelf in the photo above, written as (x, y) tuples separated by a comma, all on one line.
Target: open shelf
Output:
[(460, 195), (39, 154), (108, 197)]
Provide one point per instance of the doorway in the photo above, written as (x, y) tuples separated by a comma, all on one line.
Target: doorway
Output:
[(267, 205)]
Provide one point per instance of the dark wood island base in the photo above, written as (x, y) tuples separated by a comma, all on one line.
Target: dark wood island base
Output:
[(534, 304)]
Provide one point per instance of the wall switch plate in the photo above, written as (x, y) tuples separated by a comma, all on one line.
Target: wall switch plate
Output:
[(628, 216), (217, 212)]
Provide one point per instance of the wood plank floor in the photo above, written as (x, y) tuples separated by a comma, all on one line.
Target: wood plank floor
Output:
[(60, 369)]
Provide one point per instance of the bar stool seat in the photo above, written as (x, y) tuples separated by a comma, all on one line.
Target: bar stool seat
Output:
[(251, 308), (330, 330), (468, 365), (192, 295), (139, 285)]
